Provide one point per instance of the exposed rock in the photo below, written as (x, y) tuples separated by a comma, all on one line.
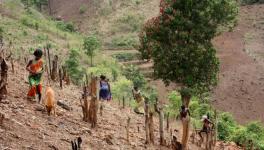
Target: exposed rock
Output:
[(64, 105)]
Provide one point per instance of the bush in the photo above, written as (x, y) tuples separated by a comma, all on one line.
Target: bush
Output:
[(123, 57), (130, 22), (174, 103), (249, 2), (133, 74), (124, 41), (82, 9), (226, 126), (67, 27), (28, 22), (122, 88), (73, 66)]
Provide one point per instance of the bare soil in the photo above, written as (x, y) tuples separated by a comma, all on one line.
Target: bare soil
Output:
[(241, 80)]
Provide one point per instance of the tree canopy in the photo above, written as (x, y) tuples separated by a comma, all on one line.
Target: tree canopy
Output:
[(90, 45), (179, 40)]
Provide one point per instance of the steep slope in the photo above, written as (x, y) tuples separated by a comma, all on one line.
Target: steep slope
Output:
[(240, 89)]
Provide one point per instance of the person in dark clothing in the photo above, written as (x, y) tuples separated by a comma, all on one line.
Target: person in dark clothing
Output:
[(206, 126), (184, 112), (105, 90)]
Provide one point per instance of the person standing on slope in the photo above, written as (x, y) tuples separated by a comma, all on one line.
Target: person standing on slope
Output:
[(206, 126), (35, 69), (105, 89)]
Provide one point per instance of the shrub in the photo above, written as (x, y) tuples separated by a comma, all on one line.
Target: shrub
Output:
[(67, 27), (249, 2), (130, 22), (123, 57), (82, 9), (226, 126), (73, 66), (122, 88), (133, 74), (127, 41), (28, 22), (174, 103)]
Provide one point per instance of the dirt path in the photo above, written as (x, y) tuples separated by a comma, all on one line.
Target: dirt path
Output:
[(241, 80)]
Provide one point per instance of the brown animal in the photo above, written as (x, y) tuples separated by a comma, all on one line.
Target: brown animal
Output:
[(50, 102)]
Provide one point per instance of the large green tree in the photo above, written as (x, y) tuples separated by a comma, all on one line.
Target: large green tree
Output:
[(179, 40)]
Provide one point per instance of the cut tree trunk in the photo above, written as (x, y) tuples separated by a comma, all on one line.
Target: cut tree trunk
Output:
[(147, 121), (127, 128), (93, 108), (84, 105), (61, 78), (48, 50), (168, 121), (124, 102), (151, 128), (3, 81), (54, 71), (159, 110)]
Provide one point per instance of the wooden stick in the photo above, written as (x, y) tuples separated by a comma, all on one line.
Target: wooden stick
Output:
[(127, 128), (123, 102)]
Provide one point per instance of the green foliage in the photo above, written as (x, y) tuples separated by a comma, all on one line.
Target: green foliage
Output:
[(175, 103), (180, 43), (226, 126), (249, 2), (36, 3), (122, 88), (130, 22), (1, 35), (109, 68), (186, 92), (82, 9), (133, 74), (29, 22), (73, 66), (127, 41), (67, 27), (123, 57), (90, 45)]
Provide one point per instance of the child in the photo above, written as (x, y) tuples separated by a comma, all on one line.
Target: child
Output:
[(35, 69)]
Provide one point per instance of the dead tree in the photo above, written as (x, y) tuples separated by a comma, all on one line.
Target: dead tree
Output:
[(54, 71), (151, 128), (147, 121), (3, 81), (159, 110), (93, 107), (127, 128), (84, 104)]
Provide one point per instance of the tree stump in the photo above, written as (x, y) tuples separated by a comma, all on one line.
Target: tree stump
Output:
[(54, 71), (147, 121), (159, 110), (127, 128), (151, 128), (61, 78), (84, 105), (93, 108), (3, 81)]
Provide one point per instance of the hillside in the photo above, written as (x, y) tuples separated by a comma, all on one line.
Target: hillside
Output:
[(117, 22)]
